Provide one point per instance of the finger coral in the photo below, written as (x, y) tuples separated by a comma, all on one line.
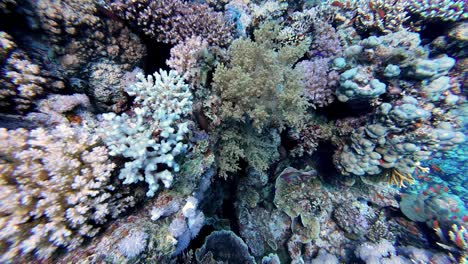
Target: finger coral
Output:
[(153, 135), (58, 187)]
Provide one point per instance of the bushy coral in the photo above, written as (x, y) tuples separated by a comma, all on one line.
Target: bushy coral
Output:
[(260, 84), (258, 149), (153, 135), (186, 58), (56, 189)]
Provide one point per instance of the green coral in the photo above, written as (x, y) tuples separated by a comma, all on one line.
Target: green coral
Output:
[(260, 85), (243, 142), (260, 94)]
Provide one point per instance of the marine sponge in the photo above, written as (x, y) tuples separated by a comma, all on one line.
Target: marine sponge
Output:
[(153, 136)]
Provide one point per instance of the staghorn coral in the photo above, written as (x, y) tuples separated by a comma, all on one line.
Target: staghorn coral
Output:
[(58, 187), (260, 85), (173, 21), (153, 135)]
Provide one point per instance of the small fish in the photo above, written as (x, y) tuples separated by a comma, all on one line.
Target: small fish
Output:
[(433, 190), (381, 13), (436, 168), (337, 4)]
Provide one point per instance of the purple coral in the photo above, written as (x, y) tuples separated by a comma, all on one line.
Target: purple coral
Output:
[(319, 81), (172, 21), (326, 41)]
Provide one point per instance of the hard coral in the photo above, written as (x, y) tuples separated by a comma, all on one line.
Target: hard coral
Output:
[(57, 184), (154, 134), (173, 21)]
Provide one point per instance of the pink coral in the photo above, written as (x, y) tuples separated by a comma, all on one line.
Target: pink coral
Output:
[(319, 80), (57, 184), (185, 58)]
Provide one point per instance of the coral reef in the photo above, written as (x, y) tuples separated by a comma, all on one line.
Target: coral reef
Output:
[(233, 131)]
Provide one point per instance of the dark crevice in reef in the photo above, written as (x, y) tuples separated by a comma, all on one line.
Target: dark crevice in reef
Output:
[(323, 159), (157, 55), (339, 110), (199, 240), (228, 209), (430, 31)]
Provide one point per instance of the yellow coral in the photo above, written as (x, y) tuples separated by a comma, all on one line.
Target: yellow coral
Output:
[(397, 178)]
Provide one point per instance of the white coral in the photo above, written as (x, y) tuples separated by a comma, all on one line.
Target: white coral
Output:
[(153, 135)]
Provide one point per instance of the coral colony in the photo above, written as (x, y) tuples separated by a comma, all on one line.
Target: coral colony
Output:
[(233, 131)]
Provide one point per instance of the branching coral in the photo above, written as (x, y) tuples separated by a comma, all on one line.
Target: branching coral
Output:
[(186, 58), (445, 10), (397, 178), (319, 80), (55, 189), (21, 79), (376, 15), (153, 135), (173, 21)]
